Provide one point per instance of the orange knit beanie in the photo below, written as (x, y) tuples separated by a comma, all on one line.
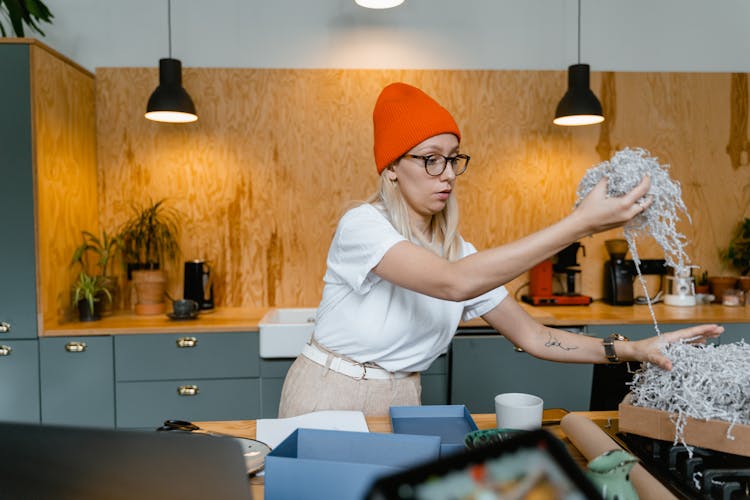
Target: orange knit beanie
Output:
[(403, 117)]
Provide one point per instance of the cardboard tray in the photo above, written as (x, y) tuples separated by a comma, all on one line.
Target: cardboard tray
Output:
[(711, 434), (325, 464), (450, 422)]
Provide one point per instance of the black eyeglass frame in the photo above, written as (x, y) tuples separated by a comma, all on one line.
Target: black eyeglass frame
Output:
[(448, 159)]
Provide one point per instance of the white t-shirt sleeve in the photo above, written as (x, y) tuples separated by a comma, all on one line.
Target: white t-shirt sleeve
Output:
[(487, 301), (362, 238)]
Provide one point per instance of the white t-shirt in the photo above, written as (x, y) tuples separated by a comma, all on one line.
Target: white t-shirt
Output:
[(370, 319)]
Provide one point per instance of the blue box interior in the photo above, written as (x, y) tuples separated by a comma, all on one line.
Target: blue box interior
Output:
[(450, 422), (323, 464)]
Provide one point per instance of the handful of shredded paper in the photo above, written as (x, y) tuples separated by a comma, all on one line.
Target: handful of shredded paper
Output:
[(707, 382)]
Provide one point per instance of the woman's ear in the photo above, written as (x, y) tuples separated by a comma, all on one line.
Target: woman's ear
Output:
[(391, 173)]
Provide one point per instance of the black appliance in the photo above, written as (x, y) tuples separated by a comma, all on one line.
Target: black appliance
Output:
[(199, 283), (619, 275), (708, 474)]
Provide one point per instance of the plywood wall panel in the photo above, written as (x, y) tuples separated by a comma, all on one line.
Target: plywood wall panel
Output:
[(65, 174), (276, 155)]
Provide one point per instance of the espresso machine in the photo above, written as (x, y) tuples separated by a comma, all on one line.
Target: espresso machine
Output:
[(620, 273), (541, 279)]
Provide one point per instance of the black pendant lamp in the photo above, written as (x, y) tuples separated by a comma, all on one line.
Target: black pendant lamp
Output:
[(170, 102), (579, 105)]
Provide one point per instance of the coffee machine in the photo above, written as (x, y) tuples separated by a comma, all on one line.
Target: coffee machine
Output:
[(199, 283), (541, 279), (620, 273)]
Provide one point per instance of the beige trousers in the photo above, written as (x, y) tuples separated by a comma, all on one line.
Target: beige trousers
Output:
[(312, 387)]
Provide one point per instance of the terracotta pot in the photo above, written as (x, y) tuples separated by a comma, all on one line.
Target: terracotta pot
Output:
[(150, 289), (704, 289), (719, 285), (743, 283)]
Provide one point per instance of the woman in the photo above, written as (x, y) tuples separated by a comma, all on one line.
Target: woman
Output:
[(400, 278)]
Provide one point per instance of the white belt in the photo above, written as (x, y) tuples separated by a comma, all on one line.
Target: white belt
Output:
[(360, 371)]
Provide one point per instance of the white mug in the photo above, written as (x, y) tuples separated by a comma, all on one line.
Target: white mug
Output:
[(516, 410)]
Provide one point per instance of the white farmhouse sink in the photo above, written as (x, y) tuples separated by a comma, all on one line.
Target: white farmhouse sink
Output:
[(283, 332)]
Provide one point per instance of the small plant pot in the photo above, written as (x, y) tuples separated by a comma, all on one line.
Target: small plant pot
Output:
[(85, 313), (150, 289), (703, 289), (719, 285), (743, 283)]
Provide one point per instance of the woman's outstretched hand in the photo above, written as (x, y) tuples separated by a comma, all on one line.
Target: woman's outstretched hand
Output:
[(599, 212), (649, 350)]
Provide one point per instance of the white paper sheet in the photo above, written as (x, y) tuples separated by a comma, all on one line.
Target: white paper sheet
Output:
[(273, 431)]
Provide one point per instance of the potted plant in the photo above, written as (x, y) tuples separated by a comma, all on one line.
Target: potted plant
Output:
[(701, 284), (107, 249), (150, 241), (737, 254), (28, 12), (87, 291)]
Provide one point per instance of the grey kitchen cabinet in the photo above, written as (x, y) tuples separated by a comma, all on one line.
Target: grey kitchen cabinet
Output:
[(210, 376), (77, 381), (484, 364), (18, 300), (734, 332), (435, 382), (19, 381), (273, 371)]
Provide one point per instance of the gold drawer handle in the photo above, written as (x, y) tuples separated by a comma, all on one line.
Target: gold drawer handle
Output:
[(4, 327), (75, 346), (5, 350), (187, 342), (188, 390)]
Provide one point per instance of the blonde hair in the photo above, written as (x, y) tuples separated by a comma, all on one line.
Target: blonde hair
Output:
[(446, 240)]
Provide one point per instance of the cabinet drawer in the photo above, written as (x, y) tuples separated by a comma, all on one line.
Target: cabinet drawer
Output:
[(173, 356), (149, 404)]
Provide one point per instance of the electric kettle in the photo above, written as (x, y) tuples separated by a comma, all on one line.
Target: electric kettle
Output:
[(198, 283)]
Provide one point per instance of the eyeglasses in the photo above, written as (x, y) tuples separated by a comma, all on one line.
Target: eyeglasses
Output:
[(435, 164)]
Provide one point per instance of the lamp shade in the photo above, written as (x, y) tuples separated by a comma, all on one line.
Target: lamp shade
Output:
[(579, 105), (170, 102)]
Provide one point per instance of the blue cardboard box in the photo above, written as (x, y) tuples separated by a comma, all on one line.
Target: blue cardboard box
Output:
[(326, 464), (450, 422)]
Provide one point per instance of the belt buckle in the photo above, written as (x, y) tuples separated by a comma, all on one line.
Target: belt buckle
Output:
[(364, 371)]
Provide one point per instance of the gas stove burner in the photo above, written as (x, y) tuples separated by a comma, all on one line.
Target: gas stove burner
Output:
[(707, 474)]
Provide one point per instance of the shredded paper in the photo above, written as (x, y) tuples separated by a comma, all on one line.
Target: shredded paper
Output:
[(706, 381)]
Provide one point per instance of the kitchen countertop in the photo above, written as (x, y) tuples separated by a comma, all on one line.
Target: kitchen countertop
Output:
[(235, 319)]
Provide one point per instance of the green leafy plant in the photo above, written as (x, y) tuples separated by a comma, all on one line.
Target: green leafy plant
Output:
[(150, 237), (23, 12), (89, 288), (737, 254), (107, 248)]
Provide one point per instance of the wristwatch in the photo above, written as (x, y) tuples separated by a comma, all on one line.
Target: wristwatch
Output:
[(609, 346)]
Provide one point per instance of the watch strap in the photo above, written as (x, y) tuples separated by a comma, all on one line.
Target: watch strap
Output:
[(609, 346)]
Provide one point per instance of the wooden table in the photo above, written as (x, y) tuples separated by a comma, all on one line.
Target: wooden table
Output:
[(607, 420)]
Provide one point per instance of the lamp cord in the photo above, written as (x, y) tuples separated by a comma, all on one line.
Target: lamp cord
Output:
[(169, 25), (579, 31)]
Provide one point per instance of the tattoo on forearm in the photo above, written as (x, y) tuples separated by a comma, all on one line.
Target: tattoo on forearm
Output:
[(553, 342)]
